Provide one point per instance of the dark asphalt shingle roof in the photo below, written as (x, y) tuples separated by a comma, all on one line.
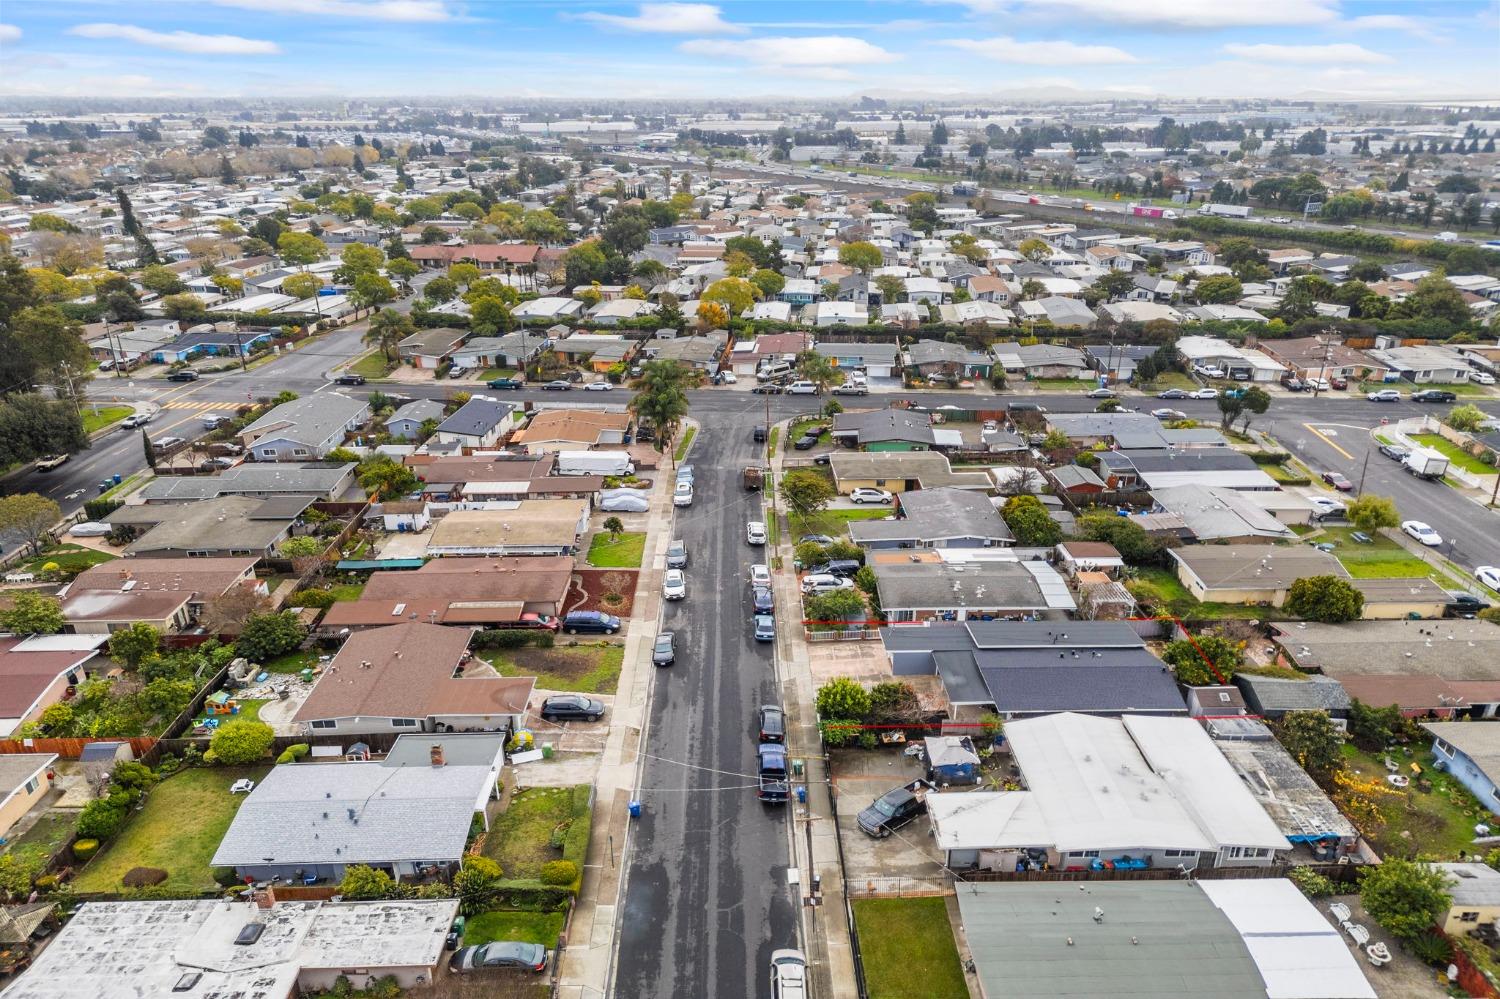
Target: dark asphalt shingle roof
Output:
[(1316, 693), (1115, 681)]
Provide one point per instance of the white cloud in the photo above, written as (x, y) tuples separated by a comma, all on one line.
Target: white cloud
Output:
[(820, 57), (9, 33), (1174, 13), (178, 41), (1044, 53), (370, 10), (1415, 26), (1342, 53), (669, 19)]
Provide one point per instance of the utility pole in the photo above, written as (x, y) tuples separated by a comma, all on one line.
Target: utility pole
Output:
[(239, 347), (1360, 489)]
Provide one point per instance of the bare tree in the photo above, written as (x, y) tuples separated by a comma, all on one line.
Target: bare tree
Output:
[(227, 614)]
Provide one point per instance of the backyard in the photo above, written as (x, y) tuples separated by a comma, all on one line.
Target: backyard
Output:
[(520, 838), (906, 941), (102, 416), (45, 837), (1165, 594), (71, 559), (1437, 823), (592, 668), (1455, 454), (527, 927), (617, 552), (178, 830), (292, 662)]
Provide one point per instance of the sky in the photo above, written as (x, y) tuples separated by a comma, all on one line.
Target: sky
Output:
[(1422, 50)]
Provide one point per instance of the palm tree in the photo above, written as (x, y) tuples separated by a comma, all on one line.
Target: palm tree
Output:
[(387, 328), (661, 399)]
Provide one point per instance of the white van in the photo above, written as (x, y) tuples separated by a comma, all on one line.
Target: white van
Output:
[(802, 388), (773, 370)]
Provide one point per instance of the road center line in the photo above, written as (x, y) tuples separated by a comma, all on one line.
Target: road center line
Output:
[(1328, 440)]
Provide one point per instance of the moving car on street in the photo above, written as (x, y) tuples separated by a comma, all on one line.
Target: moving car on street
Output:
[(183, 376), (349, 378), (1384, 395), (558, 385), (1394, 452), (1100, 393), (1174, 393)]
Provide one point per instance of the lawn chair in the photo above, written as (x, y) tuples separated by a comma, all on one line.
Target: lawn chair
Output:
[(1357, 933), (1340, 912)]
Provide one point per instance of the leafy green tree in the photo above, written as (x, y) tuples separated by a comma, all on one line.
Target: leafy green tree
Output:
[(768, 282), (162, 280), (1115, 284), (440, 289), (614, 525), (382, 473), (1029, 521), (266, 636), (135, 644), (302, 285), (835, 605), (240, 742), (1219, 288), (805, 491), (893, 703), (861, 255), (366, 884), (1407, 897), (303, 546), (388, 328), (1313, 741), (371, 290), (299, 249), (736, 294), (818, 369), (183, 307), (842, 698), (891, 288), (32, 614), (1034, 250), (1373, 729), (477, 884), (1466, 418), (1370, 513), (1329, 599), (103, 818), (28, 516), (1191, 660)]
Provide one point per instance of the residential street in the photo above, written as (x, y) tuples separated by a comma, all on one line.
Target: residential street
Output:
[(706, 897)]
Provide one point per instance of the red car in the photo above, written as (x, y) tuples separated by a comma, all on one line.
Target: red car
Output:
[(1338, 482), (544, 621)]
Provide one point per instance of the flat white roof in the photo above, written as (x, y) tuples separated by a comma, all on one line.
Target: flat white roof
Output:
[(1298, 953)]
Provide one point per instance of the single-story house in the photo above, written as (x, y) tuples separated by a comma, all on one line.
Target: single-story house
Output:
[(933, 358), (429, 349), (877, 360), (600, 351), (462, 592), (900, 471), (513, 350), (25, 779), (304, 429), (1064, 313), (549, 308), (1423, 365), (939, 517), (169, 594), (210, 528), (1249, 574), (939, 589), (1471, 753), (571, 429), (406, 422), (1212, 513), (37, 672), (313, 480), (701, 352), (891, 430), (1040, 360), (1474, 897), (479, 423), (527, 527)]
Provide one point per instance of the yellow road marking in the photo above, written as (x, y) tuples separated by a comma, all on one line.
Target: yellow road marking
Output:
[(1328, 440)]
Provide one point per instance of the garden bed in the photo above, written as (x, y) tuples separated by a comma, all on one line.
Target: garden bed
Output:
[(594, 587), (592, 668)]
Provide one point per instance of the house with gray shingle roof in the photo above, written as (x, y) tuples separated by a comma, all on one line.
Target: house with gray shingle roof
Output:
[(304, 429), (480, 422)]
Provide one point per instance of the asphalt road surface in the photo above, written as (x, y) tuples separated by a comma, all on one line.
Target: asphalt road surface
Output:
[(706, 894)]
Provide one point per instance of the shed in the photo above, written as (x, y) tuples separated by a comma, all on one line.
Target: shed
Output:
[(951, 759)]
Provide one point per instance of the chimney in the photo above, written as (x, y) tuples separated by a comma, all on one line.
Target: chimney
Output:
[(265, 897), (435, 754)]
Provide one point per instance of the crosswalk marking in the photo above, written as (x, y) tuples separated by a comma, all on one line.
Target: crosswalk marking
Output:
[(188, 404)]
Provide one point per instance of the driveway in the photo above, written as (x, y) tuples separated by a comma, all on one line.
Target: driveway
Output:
[(909, 854)]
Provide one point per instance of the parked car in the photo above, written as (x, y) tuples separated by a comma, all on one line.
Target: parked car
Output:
[(788, 974), (48, 462), (563, 707), (807, 441), (765, 628), (1319, 384), (774, 788), (1337, 481), (508, 384), (1338, 383), (772, 723), (664, 652), (1174, 393), (349, 378), (762, 600), (768, 388), (183, 376), (623, 501), (816, 539), (677, 555), (894, 809), (1384, 395), (755, 533), (758, 435), (845, 567), (682, 493), (674, 585), (851, 388), (1422, 532), (544, 622), (802, 387), (499, 954), (1169, 414), (1433, 395), (760, 574), (587, 622), (1293, 384), (685, 472), (1464, 605), (166, 443), (816, 584), (1482, 378), (1100, 393), (558, 385), (215, 464), (1394, 452), (864, 495), (1204, 393), (598, 387), (1489, 575)]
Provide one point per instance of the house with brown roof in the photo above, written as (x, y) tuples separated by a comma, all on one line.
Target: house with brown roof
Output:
[(37, 672), (412, 677), (1314, 357), (571, 429), (428, 349), (474, 592), (167, 593), (449, 479), (486, 256), (530, 527)]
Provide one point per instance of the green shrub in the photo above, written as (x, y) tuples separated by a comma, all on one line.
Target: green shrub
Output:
[(225, 877), (98, 509), (1313, 884), (867, 740), (559, 835), (531, 894), (839, 732), (241, 742), (102, 818), (512, 638), (1431, 948), (559, 872), (294, 753), (321, 599), (83, 849)]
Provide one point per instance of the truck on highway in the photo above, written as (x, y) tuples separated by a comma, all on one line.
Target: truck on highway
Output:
[(1425, 463), (1153, 212), (1225, 211), (594, 463)]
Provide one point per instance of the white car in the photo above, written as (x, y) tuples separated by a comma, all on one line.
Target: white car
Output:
[(90, 529), (674, 585), (1319, 384), (823, 583), (598, 387), (1422, 533), (1482, 378), (1489, 575), (1204, 393), (865, 495), (755, 533), (1384, 395), (682, 495), (760, 575), (802, 388), (623, 501)]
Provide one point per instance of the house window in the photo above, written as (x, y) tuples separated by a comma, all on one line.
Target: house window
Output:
[(268, 452), (880, 483), (1468, 917), (1233, 852), (299, 452), (1084, 853), (32, 785), (403, 723), (324, 723), (1179, 853), (1442, 747), (199, 554)]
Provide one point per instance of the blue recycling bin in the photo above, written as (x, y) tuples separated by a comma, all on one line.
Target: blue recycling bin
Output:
[(635, 809), (116, 478), (801, 794)]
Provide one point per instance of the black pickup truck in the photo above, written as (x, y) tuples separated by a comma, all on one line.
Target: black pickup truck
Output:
[(895, 809)]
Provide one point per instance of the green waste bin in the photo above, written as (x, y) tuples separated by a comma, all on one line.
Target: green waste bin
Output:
[(796, 768), (547, 751)]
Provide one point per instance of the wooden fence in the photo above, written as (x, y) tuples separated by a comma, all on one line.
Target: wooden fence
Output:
[(70, 749)]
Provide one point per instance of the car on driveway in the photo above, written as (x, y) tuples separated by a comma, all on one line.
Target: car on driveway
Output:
[(765, 628), (864, 495), (1482, 378), (1326, 506), (499, 954), (1465, 605), (348, 378), (1337, 383), (674, 585), (815, 539), (1169, 414), (183, 376), (817, 583), (1174, 393), (762, 599), (894, 809), (806, 442), (1337, 481), (677, 555), (91, 529), (509, 384), (558, 385), (1422, 532), (1394, 452), (1433, 395), (1384, 395), (587, 622), (1100, 393), (664, 652), (1204, 393), (575, 707)]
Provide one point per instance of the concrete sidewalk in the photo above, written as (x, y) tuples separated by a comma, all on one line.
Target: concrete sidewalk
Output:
[(586, 959), (815, 848)]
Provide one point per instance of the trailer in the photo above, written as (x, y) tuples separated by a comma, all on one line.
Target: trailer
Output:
[(1225, 211), (1153, 212), (1425, 463), (594, 463)]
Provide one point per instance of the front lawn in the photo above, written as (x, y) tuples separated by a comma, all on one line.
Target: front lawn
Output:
[(372, 365), (98, 419), (1455, 454), (907, 948), (833, 522), (490, 374), (1065, 384), (583, 669), (1440, 821), (1172, 379), (178, 830), (526, 927), (1379, 558), (70, 558), (520, 838), (624, 552)]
